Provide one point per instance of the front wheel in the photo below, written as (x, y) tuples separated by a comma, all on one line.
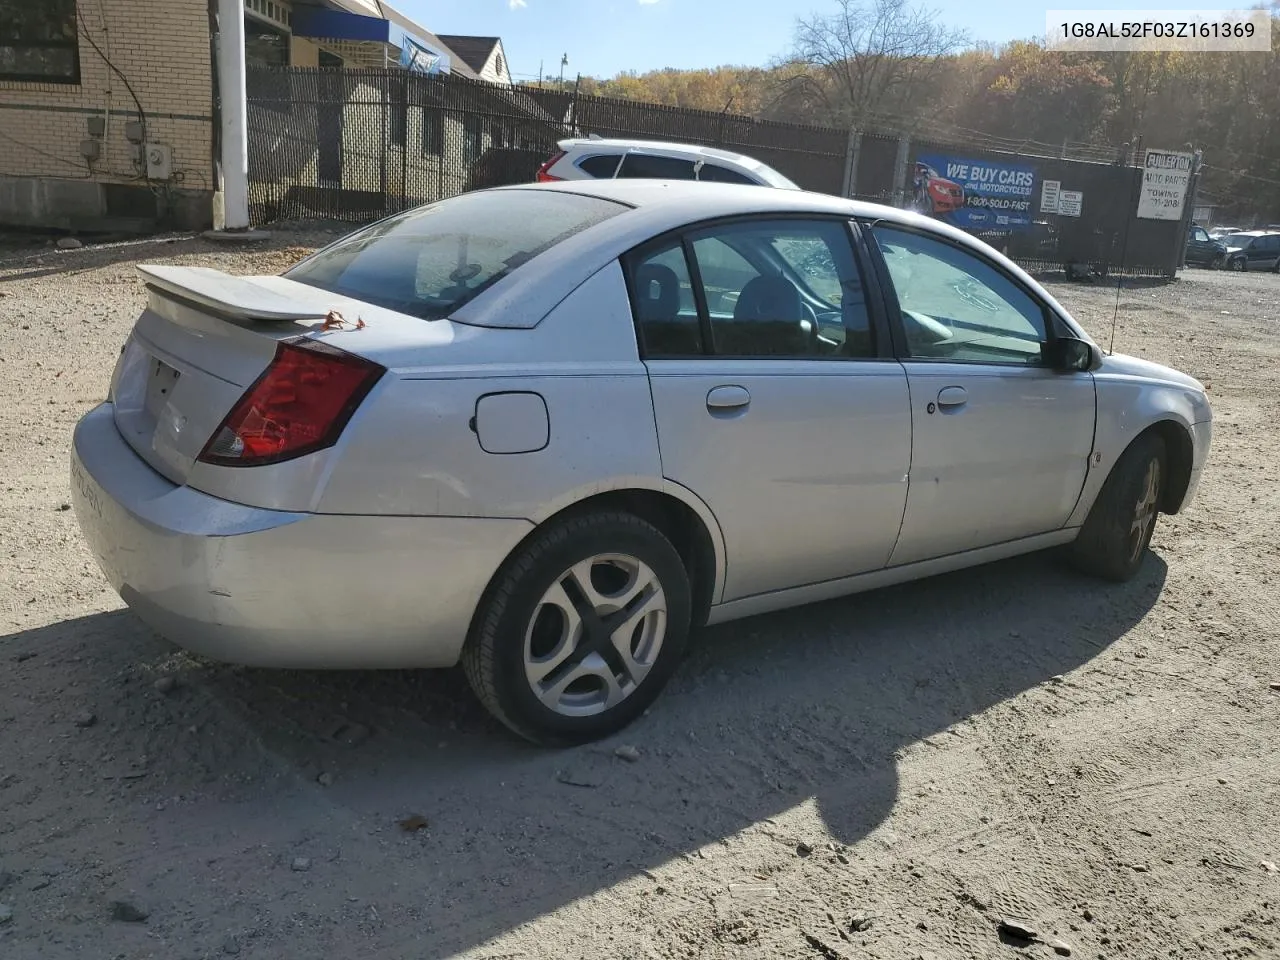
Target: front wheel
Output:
[(581, 629), (1239, 265), (1114, 539), (1215, 263)]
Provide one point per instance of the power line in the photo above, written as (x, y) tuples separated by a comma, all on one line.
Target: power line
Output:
[(84, 32), (1246, 176)]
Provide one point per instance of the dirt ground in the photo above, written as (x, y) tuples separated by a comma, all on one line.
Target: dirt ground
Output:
[(888, 776)]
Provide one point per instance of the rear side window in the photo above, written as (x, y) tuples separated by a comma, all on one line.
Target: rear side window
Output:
[(717, 174), (602, 166), (429, 261), (648, 167)]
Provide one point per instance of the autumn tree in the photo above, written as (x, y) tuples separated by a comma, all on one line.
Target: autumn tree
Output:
[(869, 57), (1043, 96)]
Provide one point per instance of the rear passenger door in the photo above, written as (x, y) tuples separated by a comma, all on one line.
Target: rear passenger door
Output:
[(776, 396)]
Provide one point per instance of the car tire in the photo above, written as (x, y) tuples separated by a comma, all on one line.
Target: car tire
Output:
[(538, 670), (1239, 265), (1215, 263), (1114, 539)]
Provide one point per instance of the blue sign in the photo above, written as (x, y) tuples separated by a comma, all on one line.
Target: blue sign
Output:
[(973, 194)]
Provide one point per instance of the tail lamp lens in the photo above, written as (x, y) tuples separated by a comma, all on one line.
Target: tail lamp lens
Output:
[(300, 404)]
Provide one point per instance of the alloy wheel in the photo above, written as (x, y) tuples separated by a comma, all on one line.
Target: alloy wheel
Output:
[(1144, 515)]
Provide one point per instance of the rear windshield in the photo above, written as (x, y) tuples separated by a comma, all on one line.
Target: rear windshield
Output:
[(429, 261)]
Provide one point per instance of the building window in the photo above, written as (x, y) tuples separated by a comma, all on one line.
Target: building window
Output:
[(499, 66), (38, 41), (264, 46), (432, 130), (398, 116), (472, 138)]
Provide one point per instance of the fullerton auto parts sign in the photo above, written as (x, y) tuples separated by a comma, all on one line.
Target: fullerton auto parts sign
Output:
[(1166, 175)]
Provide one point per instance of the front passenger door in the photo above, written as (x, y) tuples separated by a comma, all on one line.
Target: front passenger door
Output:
[(1001, 442)]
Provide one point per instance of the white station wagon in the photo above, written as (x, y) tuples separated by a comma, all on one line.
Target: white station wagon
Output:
[(600, 159), (548, 430)]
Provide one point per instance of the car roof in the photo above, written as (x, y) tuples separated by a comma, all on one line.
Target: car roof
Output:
[(661, 146), (656, 207)]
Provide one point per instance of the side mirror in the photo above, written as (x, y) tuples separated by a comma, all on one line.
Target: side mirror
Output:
[(1071, 355)]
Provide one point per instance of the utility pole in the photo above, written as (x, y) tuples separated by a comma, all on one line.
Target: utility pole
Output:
[(573, 122), (232, 221), (564, 62), (540, 65)]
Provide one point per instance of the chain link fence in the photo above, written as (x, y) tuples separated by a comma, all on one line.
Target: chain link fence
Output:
[(358, 144)]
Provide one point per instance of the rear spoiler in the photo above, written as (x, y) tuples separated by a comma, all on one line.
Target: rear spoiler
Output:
[(236, 298)]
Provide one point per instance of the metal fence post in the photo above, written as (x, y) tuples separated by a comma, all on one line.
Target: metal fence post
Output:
[(1188, 215), (383, 107), (900, 172), (851, 157)]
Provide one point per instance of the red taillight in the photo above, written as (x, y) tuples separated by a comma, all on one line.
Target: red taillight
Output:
[(299, 405), (543, 175)]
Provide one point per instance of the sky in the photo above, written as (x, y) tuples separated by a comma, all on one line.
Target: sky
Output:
[(605, 37)]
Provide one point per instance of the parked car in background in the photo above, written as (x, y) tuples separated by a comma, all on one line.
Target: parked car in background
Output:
[(1204, 251), (1254, 250), (1217, 233), (548, 430), (1039, 241), (598, 159)]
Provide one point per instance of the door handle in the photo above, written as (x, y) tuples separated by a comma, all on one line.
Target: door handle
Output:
[(952, 398), (727, 399)]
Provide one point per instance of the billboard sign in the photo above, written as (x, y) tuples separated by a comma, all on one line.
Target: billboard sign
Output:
[(1165, 177), (974, 194)]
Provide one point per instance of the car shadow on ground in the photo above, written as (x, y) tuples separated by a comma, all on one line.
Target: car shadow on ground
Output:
[(806, 706)]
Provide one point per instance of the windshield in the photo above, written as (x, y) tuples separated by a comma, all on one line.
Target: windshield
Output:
[(429, 261)]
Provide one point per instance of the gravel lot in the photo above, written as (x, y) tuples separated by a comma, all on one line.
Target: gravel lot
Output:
[(886, 776)]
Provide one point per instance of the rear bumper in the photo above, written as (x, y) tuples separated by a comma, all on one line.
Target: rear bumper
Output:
[(275, 589)]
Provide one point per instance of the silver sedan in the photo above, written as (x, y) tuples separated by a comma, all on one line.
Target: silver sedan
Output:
[(546, 431)]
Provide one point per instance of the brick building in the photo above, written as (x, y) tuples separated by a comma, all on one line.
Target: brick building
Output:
[(109, 109)]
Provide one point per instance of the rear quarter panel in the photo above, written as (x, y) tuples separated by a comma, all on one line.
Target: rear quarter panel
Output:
[(415, 451)]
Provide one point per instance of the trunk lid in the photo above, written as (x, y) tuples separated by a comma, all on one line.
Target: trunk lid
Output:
[(206, 336)]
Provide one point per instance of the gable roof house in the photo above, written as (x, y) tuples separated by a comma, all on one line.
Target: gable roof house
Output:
[(483, 55)]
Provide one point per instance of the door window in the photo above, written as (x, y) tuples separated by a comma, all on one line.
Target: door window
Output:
[(1199, 235), (662, 299), (776, 288), (648, 167), (602, 166), (956, 306), (717, 174)]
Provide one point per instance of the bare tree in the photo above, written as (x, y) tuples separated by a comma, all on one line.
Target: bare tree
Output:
[(869, 56)]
